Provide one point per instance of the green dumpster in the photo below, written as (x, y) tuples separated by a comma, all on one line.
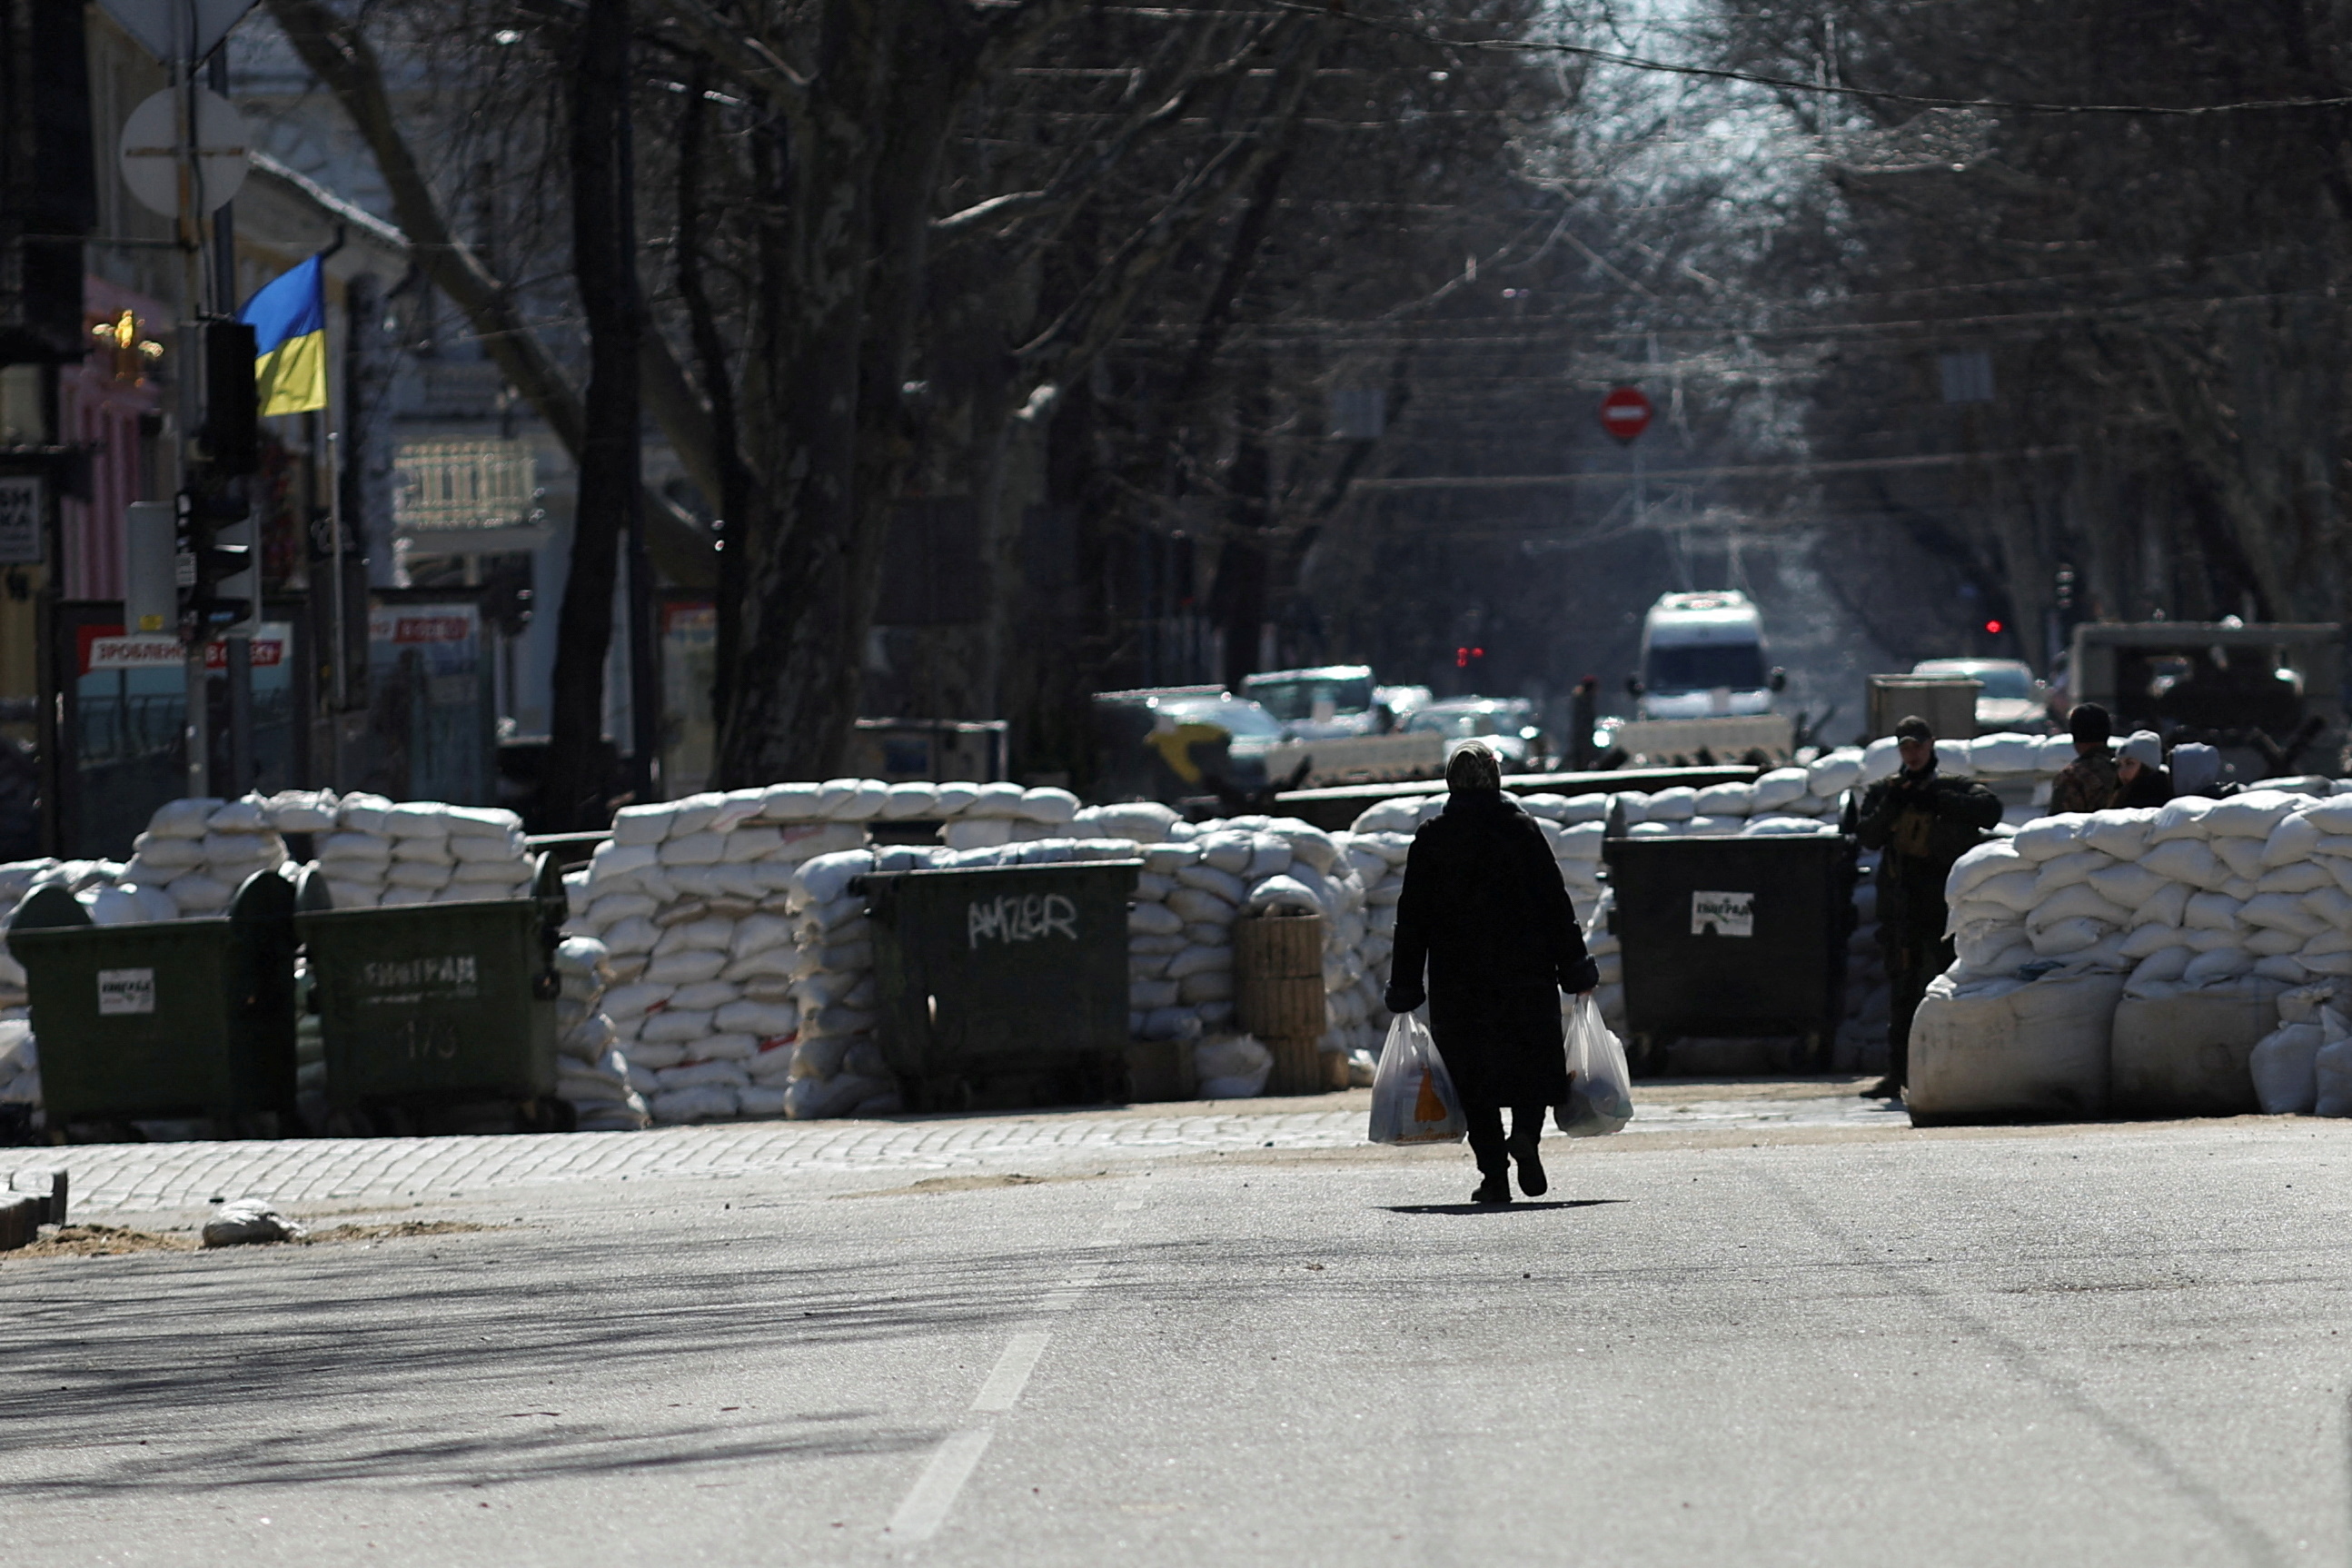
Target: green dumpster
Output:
[(427, 1009), (1004, 985), (164, 1018), (1729, 937)]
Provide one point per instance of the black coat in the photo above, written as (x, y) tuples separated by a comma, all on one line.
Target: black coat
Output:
[(1920, 823), (1484, 905)]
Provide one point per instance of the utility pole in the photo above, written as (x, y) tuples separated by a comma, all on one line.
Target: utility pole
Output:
[(240, 636)]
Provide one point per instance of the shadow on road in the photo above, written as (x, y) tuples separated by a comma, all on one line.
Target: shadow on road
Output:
[(1520, 1207)]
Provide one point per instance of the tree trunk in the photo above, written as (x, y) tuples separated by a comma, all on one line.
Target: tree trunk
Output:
[(572, 792)]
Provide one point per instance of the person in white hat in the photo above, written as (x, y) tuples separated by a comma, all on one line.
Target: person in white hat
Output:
[(2141, 778)]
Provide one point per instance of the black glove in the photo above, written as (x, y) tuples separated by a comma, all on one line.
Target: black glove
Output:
[(1403, 997), (1579, 978)]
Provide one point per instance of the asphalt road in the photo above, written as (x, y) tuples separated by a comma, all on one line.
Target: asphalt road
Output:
[(1749, 1344)]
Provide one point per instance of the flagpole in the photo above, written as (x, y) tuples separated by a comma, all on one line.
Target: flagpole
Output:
[(239, 637)]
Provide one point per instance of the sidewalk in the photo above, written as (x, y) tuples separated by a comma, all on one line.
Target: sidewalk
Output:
[(126, 1178)]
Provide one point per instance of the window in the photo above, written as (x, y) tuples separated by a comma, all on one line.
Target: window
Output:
[(1702, 666), (1295, 699)]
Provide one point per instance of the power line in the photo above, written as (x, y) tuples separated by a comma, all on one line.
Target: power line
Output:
[(1336, 10), (1668, 475)]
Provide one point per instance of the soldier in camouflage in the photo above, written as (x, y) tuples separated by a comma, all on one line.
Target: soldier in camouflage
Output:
[(1919, 823), (2088, 783)]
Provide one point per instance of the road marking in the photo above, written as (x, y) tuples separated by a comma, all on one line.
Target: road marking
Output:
[(926, 1507), (1011, 1373)]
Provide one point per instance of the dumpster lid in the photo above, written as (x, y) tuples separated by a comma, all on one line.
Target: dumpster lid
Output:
[(858, 884)]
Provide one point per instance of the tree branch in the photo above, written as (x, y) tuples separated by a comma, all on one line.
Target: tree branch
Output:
[(1070, 342), (339, 55)]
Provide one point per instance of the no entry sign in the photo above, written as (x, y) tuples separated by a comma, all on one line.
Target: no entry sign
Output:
[(1625, 413)]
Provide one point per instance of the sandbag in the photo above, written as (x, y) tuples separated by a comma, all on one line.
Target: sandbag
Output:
[(2254, 815), (2122, 834), (1231, 1067), (2185, 1053), (1679, 803), (1725, 800), (188, 818), (2299, 877), (2186, 861), (2284, 1067), (2183, 818), (2218, 964), (2242, 856), (2064, 937), (2079, 900), (2332, 1075), (2036, 1048), (2047, 837), (2282, 911), (2067, 870), (2126, 884), (2003, 754), (2154, 937), (2160, 972), (1833, 774), (1993, 859), (2169, 905), (1048, 804)]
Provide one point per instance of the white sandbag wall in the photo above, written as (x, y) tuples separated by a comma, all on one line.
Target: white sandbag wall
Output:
[(742, 963), (2222, 922), (380, 854), (196, 852), (592, 1071), (192, 859)]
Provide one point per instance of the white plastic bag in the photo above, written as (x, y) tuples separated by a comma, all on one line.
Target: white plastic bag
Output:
[(1600, 1086), (1412, 1095)]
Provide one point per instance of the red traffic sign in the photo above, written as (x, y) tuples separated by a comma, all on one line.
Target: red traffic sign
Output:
[(1625, 413)]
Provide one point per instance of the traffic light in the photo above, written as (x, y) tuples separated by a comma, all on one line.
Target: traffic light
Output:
[(232, 429), (215, 563)]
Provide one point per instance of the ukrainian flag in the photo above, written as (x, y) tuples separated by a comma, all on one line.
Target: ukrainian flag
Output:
[(289, 317)]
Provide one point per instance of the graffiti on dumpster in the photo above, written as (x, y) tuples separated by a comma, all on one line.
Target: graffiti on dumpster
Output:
[(1021, 917)]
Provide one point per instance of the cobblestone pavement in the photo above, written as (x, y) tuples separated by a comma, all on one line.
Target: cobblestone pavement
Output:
[(149, 1177)]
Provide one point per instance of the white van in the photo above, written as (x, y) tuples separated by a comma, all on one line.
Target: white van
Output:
[(1703, 658)]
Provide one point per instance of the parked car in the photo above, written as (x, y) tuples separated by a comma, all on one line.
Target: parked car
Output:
[(1169, 743), (1507, 723), (1318, 704), (2011, 701)]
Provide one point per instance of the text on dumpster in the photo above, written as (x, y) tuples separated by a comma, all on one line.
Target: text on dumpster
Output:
[(121, 991), (1727, 914), (399, 981), (1021, 917)]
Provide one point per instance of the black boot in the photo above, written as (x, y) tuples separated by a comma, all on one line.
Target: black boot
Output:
[(1493, 1187), (1532, 1180)]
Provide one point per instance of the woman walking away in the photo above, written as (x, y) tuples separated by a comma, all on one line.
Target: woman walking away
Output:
[(1485, 908)]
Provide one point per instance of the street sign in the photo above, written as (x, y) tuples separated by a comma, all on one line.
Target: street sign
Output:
[(177, 31), (155, 140), (24, 506), (1625, 413)]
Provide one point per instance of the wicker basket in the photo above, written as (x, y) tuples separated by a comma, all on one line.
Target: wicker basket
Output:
[(1279, 975), (1278, 994)]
